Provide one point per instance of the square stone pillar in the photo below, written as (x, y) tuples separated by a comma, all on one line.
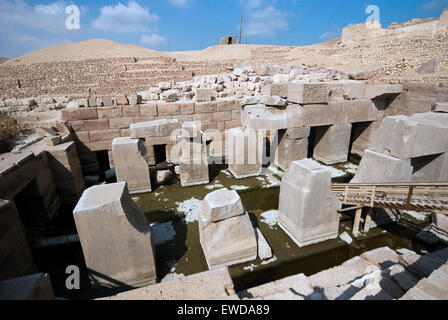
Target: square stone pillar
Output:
[(130, 164), (244, 149), (332, 143), (16, 259), (226, 233), (193, 168), (116, 237), (308, 207), (67, 173), (293, 146)]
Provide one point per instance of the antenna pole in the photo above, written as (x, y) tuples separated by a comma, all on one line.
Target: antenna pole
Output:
[(241, 28)]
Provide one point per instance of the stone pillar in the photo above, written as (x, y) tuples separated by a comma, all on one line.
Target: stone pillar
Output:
[(361, 136), (332, 143), (66, 167), (293, 146), (16, 259), (377, 168), (130, 164), (226, 233), (115, 236), (244, 150), (308, 207), (193, 168)]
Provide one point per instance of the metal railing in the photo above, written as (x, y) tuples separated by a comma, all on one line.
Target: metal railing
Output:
[(403, 196)]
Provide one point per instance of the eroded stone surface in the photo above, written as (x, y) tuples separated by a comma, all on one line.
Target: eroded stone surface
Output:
[(308, 207), (115, 237), (130, 164)]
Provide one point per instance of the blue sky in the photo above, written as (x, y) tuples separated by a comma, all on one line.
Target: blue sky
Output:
[(178, 25)]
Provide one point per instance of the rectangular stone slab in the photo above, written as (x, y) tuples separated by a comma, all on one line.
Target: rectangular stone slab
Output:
[(115, 236), (308, 207), (332, 143), (130, 164)]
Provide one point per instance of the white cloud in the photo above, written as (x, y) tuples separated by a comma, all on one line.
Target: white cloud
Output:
[(180, 3), (434, 5), (153, 41), (18, 15), (251, 4), (126, 18), (266, 22), (25, 27)]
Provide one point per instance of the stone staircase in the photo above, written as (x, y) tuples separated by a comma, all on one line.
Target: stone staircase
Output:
[(99, 76)]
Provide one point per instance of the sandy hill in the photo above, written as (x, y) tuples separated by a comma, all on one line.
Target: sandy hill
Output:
[(3, 59), (90, 49), (102, 48)]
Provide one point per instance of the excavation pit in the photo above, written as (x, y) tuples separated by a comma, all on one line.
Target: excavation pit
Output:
[(172, 212)]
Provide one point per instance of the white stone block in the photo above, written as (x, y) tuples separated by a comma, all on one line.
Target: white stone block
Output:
[(308, 207), (115, 237)]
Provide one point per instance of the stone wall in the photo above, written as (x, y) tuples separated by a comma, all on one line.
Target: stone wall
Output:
[(95, 128)]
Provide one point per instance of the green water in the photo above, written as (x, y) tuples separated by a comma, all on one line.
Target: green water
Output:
[(181, 254)]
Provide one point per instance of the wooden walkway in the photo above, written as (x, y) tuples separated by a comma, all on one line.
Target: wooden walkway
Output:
[(421, 197)]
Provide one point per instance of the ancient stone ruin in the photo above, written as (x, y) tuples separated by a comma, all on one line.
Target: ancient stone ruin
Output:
[(166, 177)]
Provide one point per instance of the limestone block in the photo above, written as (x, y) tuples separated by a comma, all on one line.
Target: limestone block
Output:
[(308, 92), (382, 91), (227, 242), (308, 207), (293, 146), (299, 283), (156, 128), (382, 257), (420, 266), (336, 112), (432, 168), (440, 107), (32, 287), (165, 86), (264, 250), (135, 99), (66, 167), (115, 236), (401, 276), (377, 167), (332, 143), (210, 285), (346, 90), (344, 274), (222, 204), (244, 152), (275, 89), (272, 101), (130, 164), (426, 291), (16, 255), (270, 118), (79, 114), (361, 134), (203, 95), (416, 136), (122, 100), (193, 167), (171, 95)]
